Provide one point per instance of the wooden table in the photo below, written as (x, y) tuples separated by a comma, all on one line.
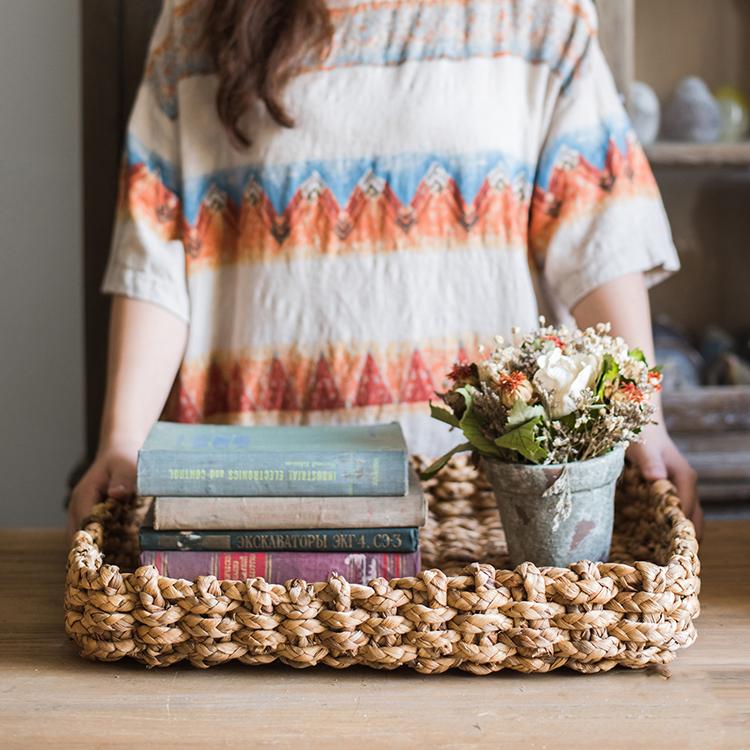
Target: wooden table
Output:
[(49, 697)]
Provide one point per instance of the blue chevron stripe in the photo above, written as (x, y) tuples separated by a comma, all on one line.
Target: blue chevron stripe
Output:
[(402, 172)]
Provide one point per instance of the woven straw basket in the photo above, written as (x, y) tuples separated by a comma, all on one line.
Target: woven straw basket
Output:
[(635, 611)]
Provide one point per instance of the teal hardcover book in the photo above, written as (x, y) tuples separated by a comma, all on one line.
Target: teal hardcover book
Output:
[(283, 540), (228, 460)]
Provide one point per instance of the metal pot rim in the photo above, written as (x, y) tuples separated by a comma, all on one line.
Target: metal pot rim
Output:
[(603, 458)]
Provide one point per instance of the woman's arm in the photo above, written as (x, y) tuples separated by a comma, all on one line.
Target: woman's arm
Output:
[(624, 303), (146, 345)]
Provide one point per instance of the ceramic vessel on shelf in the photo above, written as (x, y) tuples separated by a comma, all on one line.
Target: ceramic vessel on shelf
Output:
[(645, 112), (692, 114), (733, 108)]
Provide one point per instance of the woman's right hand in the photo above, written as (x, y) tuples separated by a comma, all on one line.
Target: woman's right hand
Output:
[(112, 474), (146, 343)]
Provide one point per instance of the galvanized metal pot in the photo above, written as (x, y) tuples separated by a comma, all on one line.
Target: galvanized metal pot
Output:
[(557, 514)]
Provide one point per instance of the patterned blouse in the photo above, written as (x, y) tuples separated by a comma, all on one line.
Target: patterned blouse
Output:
[(452, 162)]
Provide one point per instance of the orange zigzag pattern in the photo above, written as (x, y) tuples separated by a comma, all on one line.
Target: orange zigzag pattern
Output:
[(293, 383), (375, 220), (144, 197), (579, 189)]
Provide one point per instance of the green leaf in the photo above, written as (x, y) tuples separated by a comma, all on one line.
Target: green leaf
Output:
[(435, 467), (469, 423), (443, 415), (638, 355), (472, 427), (569, 420), (467, 391), (610, 371), (523, 440), (522, 412)]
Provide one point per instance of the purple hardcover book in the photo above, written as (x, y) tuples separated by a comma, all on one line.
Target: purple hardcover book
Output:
[(278, 567)]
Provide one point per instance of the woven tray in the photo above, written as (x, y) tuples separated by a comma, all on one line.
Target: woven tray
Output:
[(636, 610)]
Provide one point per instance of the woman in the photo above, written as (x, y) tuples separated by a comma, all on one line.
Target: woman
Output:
[(326, 204)]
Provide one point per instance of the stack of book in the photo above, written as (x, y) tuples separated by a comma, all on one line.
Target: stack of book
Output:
[(280, 502)]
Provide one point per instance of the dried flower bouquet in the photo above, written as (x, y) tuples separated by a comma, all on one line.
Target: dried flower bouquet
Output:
[(553, 396)]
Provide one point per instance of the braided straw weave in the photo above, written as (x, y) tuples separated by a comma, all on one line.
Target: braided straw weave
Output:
[(478, 616)]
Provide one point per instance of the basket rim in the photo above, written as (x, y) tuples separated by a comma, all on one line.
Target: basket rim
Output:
[(683, 552)]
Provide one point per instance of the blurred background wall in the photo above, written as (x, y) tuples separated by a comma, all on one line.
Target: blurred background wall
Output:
[(41, 299)]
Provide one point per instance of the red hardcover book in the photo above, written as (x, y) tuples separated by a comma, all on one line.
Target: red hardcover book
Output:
[(278, 567)]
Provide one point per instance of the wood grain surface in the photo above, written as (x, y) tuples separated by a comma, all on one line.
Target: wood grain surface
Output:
[(49, 697)]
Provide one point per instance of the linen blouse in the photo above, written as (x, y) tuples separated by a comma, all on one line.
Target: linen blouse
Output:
[(451, 161)]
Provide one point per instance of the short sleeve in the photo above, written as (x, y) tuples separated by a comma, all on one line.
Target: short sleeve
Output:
[(596, 213), (147, 257)]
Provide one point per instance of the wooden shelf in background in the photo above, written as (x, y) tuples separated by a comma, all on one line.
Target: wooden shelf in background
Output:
[(711, 426), (674, 153), (718, 408), (723, 492), (717, 456)]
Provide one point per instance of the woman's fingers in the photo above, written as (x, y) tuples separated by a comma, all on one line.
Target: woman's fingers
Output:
[(90, 490), (121, 483), (685, 479), (697, 519), (83, 498), (111, 475), (117, 489), (649, 461), (659, 458)]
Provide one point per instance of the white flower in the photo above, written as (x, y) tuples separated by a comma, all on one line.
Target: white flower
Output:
[(633, 369), (562, 379), (619, 350)]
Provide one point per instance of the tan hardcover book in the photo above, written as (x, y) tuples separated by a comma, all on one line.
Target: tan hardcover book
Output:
[(212, 513)]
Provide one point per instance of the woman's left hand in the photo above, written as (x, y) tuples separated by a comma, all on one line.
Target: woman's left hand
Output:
[(657, 457)]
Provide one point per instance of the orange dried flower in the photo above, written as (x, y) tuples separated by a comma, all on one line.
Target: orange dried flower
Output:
[(654, 378), (629, 392), (462, 372), (515, 386)]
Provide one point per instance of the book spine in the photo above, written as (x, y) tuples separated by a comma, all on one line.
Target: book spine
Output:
[(251, 514), (278, 567), (273, 474), (284, 540)]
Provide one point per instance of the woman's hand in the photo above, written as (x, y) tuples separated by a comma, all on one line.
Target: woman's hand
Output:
[(146, 343), (624, 303), (657, 457), (112, 474)]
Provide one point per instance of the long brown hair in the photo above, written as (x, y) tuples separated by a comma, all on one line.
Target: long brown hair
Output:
[(256, 47)]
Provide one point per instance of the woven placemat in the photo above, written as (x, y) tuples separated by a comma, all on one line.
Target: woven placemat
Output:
[(466, 609)]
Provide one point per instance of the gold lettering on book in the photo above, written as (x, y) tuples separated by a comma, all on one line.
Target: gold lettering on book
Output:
[(191, 474), (279, 541), (255, 475), (312, 475), (342, 541), (387, 540)]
